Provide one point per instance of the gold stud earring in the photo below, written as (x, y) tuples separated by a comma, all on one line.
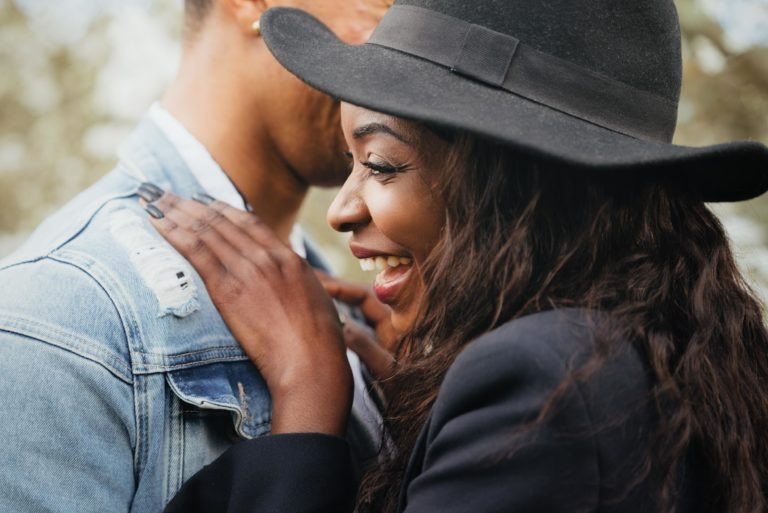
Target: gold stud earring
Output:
[(256, 28)]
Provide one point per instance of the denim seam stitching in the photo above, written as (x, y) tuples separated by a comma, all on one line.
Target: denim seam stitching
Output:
[(132, 332), (157, 368), (89, 265), (182, 441), (141, 455), (84, 347), (174, 452), (131, 327), (197, 352)]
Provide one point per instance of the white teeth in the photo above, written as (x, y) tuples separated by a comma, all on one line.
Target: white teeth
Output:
[(382, 262)]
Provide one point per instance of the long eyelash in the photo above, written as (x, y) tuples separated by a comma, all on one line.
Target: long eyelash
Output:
[(387, 170)]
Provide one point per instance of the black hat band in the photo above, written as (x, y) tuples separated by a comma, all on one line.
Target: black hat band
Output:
[(501, 61)]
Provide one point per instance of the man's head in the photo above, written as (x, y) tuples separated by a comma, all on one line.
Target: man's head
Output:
[(300, 124)]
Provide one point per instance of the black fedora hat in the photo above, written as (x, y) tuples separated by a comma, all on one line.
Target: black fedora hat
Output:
[(591, 83)]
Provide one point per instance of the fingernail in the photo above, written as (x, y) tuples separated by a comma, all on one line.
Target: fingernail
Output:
[(154, 211), (203, 198), (153, 188), (148, 195)]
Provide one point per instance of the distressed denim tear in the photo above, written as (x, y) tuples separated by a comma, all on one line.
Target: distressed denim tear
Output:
[(163, 270)]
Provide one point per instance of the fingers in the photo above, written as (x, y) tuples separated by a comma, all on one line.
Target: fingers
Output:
[(194, 249), (231, 234), (197, 231), (246, 222), (357, 295), (350, 293), (377, 359), (215, 234), (376, 313)]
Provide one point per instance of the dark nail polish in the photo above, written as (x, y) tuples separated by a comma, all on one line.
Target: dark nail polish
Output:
[(203, 198), (154, 188), (148, 195), (154, 211)]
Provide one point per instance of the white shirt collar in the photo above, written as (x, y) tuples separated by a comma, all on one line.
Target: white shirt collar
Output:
[(205, 169)]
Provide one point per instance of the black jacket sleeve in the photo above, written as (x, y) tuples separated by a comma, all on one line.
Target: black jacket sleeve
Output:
[(297, 473)]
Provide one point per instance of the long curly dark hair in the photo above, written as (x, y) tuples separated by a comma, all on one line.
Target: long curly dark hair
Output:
[(650, 252)]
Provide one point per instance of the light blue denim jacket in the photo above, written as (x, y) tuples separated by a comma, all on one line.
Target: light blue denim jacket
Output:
[(118, 378)]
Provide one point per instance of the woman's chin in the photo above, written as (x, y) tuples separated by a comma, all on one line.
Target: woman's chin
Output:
[(402, 322), (404, 313)]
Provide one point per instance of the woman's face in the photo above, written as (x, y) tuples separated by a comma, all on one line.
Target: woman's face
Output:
[(389, 204)]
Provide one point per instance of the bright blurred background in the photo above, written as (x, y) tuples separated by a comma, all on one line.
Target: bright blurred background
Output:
[(76, 75)]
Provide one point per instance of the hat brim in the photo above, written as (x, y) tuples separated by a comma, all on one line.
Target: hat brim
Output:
[(398, 84)]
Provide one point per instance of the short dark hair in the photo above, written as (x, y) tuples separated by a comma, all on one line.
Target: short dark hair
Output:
[(195, 12)]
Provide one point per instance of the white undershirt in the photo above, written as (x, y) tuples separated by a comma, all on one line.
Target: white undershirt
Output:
[(206, 170)]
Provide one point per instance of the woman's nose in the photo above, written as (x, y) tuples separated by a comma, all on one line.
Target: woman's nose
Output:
[(348, 210)]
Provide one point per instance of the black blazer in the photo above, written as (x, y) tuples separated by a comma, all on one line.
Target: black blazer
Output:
[(472, 455)]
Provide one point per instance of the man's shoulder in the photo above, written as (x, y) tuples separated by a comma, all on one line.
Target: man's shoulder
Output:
[(53, 298), (51, 302), (97, 270)]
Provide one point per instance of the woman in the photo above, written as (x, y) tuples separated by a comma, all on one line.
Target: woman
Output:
[(573, 334)]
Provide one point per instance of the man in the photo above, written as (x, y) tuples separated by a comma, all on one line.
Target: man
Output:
[(119, 378)]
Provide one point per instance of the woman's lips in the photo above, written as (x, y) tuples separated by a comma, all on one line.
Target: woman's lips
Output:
[(392, 278), (390, 282)]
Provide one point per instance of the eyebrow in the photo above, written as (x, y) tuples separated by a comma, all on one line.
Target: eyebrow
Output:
[(379, 128)]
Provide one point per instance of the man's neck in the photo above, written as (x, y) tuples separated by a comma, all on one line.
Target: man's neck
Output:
[(218, 111)]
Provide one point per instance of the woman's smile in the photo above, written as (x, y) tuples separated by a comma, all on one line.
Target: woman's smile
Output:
[(394, 271), (389, 282)]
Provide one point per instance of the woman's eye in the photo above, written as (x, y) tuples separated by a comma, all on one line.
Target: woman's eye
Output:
[(379, 167)]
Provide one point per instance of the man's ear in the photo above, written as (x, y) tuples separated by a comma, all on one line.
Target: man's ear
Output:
[(244, 12)]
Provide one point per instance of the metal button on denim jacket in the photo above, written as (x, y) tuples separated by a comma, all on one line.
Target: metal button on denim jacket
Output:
[(119, 379)]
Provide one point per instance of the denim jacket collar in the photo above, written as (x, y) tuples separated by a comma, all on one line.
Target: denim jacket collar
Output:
[(148, 156)]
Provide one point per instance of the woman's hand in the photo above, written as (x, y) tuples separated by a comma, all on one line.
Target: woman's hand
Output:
[(376, 354), (274, 305)]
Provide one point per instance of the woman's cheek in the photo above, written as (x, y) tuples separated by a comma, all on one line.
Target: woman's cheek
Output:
[(403, 215)]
